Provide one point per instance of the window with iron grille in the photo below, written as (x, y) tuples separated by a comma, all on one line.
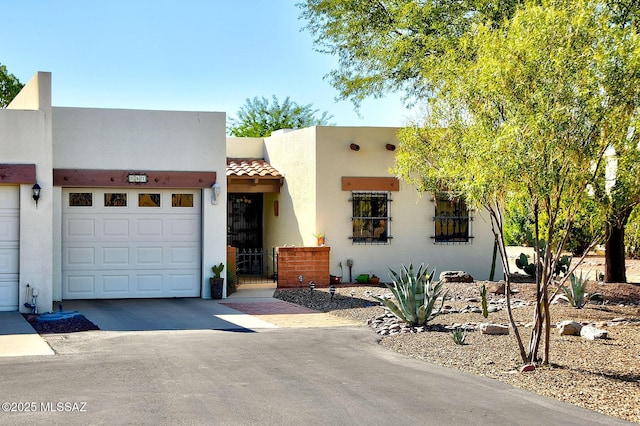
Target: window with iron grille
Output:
[(370, 217), (452, 221)]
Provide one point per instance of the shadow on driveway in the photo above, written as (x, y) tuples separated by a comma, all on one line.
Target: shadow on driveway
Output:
[(163, 314)]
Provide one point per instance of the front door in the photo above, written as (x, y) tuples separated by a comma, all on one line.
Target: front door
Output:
[(244, 221)]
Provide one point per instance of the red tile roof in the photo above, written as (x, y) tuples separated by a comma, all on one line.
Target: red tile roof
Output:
[(250, 167)]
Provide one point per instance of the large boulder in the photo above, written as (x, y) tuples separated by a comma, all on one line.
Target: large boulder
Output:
[(455, 277)]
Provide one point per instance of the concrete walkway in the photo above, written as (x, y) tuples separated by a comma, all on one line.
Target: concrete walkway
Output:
[(18, 338), (250, 308)]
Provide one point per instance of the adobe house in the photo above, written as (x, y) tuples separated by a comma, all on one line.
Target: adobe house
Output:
[(126, 206), (140, 204), (336, 181)]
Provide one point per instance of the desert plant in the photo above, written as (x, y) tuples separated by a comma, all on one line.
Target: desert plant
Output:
[(459, 335), (231, 282), (217, 269), (562, 267), (415, 295), (576, 293), (483, 297)]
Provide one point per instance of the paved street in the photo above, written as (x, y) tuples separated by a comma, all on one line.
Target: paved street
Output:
[(278, 376)]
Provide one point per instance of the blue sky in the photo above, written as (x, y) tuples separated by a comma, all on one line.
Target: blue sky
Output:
[(193, 55)]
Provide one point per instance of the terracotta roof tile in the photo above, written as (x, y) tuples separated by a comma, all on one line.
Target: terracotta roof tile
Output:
[(250, 167)]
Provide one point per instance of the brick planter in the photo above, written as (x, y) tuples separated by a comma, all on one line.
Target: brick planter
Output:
[(310, 262)]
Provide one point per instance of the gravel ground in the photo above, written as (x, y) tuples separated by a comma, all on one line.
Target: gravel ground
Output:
[(69, 325), (601, 375)]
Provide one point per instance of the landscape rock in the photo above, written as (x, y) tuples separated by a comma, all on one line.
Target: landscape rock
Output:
[(493, 329), (456, 277), (496, 287), (569, 328), (590, 332), (527, 367)]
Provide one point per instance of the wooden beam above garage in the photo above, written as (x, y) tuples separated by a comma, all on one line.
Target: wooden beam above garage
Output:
[(18, 173), (133, 178)]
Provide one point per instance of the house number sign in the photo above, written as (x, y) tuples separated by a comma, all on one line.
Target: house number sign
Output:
[(137, 178)]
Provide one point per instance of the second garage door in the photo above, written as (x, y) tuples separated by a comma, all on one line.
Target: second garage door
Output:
[(130, 243)]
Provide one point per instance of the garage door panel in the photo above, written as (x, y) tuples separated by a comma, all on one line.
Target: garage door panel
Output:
[(115, 228), (8, 292), (9, 228), (149, 282), (9, 247), (115, 256), (81, 285), (80, 228), (137, 251), (183, 227), (181, 282), (149, 256), (81, 256), (116, 285), (186, 255), (148, 227)]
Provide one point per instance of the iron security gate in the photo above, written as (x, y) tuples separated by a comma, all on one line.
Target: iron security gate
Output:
[(256, 266)]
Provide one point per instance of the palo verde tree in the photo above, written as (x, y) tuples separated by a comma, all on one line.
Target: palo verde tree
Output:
[(10, 86), (521, 101), (527, 108), (399, 46), (259, 118)]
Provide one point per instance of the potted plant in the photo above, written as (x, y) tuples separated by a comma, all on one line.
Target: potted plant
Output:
[(216, 282), (320, 237), (373, 279)]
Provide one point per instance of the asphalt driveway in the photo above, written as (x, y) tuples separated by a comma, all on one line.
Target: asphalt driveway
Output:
[(285, 376)]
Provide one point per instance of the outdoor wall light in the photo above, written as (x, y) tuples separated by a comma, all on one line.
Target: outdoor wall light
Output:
[(216, 193), (354, 147), (36, 193), (390, 147)]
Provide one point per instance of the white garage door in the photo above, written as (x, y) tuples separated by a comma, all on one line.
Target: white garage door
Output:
[(123, 243), (9, 247)]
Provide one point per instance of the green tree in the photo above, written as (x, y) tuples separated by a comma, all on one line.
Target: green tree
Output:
[(388, 46), (10, 86), (525, 99), (540, 88), (258, 117), (400, 46)]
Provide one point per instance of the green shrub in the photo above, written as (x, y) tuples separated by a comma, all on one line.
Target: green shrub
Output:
[(415, 295), (632, 235), (576, 292)]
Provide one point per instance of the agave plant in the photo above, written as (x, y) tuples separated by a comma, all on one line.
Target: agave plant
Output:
[(576, 293), (415, 295), (459, 335)]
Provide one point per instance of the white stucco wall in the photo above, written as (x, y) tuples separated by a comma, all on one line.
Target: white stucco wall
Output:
[(245, 147), (88, 138), (25, 137), (294, 155), (314, 160)]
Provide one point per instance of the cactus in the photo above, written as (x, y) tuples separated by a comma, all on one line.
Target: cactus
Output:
[(562, 267), (217, 269), (522, 262), (483, 296)]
